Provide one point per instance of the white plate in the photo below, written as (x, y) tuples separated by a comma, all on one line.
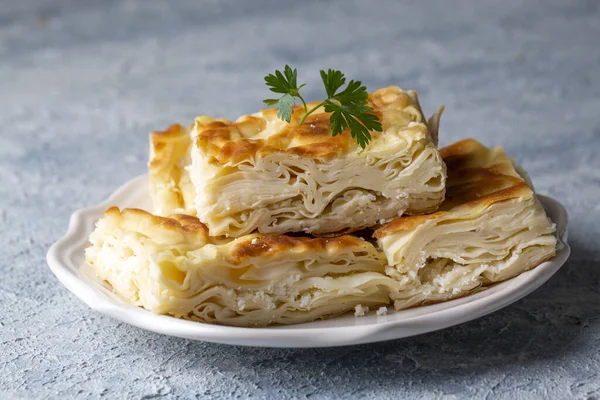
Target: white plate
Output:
[(66, 257)]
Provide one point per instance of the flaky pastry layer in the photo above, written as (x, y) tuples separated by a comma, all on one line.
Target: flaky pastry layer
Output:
[(262, 173), (490, 228), (171, 266), (170, 186)]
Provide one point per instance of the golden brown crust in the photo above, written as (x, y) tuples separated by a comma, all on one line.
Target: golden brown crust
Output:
[(186, 229), (461, 149), (170, 185), (477, 178), (268, 245), (164, 145), (177, 229), (226, 141)]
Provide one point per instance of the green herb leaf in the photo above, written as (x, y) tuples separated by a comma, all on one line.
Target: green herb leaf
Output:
[(284, 107), (333, 80), (355, 93), (355, 117), (285, 82), (348, 108)]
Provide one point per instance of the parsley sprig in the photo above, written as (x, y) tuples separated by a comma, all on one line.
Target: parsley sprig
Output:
[(348, 107)]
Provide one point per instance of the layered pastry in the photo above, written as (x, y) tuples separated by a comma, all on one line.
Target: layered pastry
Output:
[(170, 186), (171, 266), (262, 173), (490, 228)]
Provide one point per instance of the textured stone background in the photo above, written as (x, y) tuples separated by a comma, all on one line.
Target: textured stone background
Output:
[(83, 82)]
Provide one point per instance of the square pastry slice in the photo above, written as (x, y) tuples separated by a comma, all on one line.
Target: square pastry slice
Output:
[(490, 228), (171, 266), (262, 173)]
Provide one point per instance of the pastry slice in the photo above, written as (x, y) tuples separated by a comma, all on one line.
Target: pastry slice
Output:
[(170, 186), (490, 228), (262, 173), (171, 266)]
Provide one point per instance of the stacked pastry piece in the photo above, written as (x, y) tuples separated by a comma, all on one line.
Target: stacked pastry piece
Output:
[(262, 173), (263, 222)]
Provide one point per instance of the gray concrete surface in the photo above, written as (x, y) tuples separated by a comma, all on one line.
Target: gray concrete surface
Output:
[(83, 82)]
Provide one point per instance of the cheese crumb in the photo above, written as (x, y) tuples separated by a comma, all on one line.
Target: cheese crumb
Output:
[(360, 311), (382, 311), (241, 305), (305, 300), (254, 241)]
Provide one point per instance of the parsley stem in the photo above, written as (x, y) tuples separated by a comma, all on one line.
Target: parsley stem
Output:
[(303, 102), (309, 112)]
